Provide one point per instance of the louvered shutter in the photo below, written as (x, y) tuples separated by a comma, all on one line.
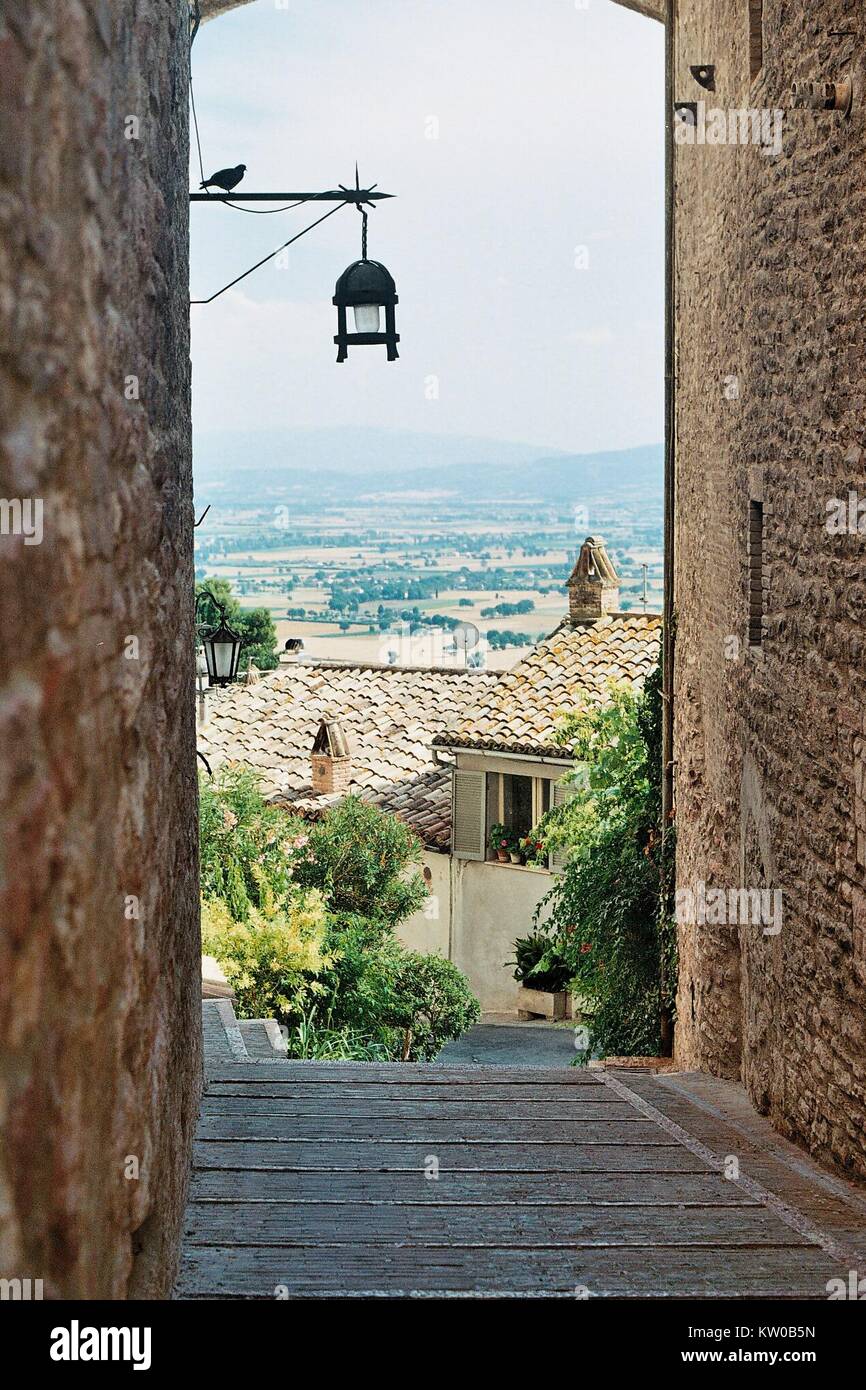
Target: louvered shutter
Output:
[(562, 792), (467, 815)]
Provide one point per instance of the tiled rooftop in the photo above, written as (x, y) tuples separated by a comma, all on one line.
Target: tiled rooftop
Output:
[(394, 716), (389, 713), (520, 712)]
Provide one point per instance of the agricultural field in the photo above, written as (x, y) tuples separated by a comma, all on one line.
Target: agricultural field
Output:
[(389, 579)]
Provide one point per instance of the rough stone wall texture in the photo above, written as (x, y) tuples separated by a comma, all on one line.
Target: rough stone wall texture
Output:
[(771, 276), (99, 1011)]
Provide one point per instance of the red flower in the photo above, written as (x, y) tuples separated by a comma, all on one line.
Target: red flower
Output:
[(586, 946)]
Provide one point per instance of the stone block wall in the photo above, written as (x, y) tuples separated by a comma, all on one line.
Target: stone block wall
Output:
[(770, 738), (99, 972)]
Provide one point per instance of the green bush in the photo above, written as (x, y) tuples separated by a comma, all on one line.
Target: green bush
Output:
[(412, 1003), (245, 845), (363, 861), (273, 959), (426, 1001), (610, 908)]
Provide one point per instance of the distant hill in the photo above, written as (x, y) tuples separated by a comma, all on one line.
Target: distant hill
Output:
[(242, 466)]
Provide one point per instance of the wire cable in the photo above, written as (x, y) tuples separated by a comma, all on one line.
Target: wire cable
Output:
[(195, 123), (270, 257)]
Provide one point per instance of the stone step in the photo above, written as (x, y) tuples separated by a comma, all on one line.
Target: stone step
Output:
[(262, 1037), (223, 1040)]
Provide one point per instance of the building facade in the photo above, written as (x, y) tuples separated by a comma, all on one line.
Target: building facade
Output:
[(770, 557), (99, 941)]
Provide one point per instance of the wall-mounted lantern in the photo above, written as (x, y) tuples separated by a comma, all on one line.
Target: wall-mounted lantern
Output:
[(220, 644), (824, 96)]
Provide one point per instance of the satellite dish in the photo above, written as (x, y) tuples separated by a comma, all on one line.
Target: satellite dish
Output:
[(466, 636)]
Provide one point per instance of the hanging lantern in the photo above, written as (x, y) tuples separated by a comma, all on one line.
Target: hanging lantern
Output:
[(368, 289), (222, 650)]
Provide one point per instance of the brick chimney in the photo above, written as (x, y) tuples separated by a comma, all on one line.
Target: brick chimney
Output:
[(593, 588), (332, 763)]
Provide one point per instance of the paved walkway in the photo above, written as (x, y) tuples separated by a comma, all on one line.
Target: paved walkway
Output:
[(320, 1180), (499, 1041)]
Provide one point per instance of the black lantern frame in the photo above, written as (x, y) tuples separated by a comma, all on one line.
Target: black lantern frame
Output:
[(366, 282), (221, 636)]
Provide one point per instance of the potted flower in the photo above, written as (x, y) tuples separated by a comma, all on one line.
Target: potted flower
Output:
[(500, 842), (544, 976), (534, 851)]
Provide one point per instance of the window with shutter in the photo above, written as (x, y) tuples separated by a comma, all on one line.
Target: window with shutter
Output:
[(562, 792), (468, 807)]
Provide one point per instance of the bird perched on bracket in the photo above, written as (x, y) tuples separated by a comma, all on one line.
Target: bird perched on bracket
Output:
[(226, 179)]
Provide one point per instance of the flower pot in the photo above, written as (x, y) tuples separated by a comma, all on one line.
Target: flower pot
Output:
[(538, 1003), (515, 858), (502, 856)]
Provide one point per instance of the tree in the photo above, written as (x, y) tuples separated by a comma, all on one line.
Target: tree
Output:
[(364, 863), (255, 626)]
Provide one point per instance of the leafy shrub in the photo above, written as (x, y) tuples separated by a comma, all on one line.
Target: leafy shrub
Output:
[(540, 964), (244, 844), (610, 907), (362, 861), (427, 1002), (272, 959)]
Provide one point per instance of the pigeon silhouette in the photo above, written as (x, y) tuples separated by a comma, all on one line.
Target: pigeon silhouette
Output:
[(227, 179)]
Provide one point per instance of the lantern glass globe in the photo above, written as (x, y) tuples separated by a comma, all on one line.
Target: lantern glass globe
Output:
[(367, 318)]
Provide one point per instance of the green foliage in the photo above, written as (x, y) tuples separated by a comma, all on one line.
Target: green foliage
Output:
[(609, 909), (413, 1004), (539, 963), (311, 1041), (271, 960), (501, 838), (244, 844), (425, 1000), (255, 626), (362, 861), (302, 919)]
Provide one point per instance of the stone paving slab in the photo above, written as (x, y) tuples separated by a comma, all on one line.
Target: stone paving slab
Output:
[(412, 1181)]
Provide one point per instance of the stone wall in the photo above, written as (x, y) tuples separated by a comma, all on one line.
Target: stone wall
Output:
[(772, 410), (99, 975)]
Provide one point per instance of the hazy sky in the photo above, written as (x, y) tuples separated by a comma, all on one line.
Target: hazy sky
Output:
[(549, 140)]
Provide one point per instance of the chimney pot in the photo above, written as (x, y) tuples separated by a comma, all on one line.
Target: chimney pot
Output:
[(593, 587), (331, 760)]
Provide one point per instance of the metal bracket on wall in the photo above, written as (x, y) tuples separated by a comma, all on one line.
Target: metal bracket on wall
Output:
[(705, 76), (823, 96)]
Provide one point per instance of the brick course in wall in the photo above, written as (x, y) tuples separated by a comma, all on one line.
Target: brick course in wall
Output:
[(99, 997), (769, 741)]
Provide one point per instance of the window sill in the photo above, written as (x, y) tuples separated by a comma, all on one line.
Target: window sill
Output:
[(523, 868)]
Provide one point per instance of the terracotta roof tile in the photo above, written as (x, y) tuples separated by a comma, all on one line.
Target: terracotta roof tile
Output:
[(394, 717), (389, 713), (521, 712)]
